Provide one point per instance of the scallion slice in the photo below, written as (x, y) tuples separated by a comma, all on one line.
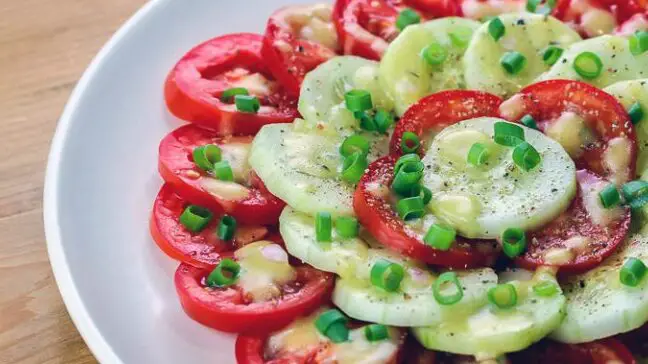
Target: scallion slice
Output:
[(588, 65), (636, 113), (529, 122), (354, 144), (639, 42), (440, 237), (545, 289), (376, 332), (247, 103), (347, 226), (383, 121), (323, 226), (526, 156), (354, 167), (508, 134), (635, 193), (496, 28), (460, 36), (440, 292), (435, 54), (406, 18), (610, 196), (367, 121), (421, 191), (632, 272), (225, 274), (358, 100), (230, 93), (410, 208), (407, 158), (332, 324), (223, 171), (513, 62), (226, 228), (387, 275), (503, 296), (532, 5), (206, 155), (195, 218), (410, 142), (552, 54), (513, 242), (478, 154), (409, 174)]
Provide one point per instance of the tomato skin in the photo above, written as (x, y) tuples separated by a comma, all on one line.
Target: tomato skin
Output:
[(226, 310), (637, 340), (203, 249), (442, 109), (379, 218), (192, 91), (621, 9), (637, 22), (597, 352), (439, 8), (290, 62), (177, 168), (603, 114)]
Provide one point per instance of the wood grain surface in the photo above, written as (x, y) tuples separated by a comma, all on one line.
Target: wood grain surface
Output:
[(44, 48)]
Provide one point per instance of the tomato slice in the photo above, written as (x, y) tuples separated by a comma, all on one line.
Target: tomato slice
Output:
[(637, 22), (576, 222), (603, 115), (597, 352), (637, 341), (442, 109), (298, 39), (256, 206), (379, 218), (194, 86), (202, 249), (572, 11), (228, 309)]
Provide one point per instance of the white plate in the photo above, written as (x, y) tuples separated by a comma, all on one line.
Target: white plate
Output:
[(102, 179)]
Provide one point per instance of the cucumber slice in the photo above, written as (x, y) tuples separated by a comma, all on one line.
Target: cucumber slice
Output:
[(628, 93), (302, 169), (492, 331), (529, 34), (414, 304), (598, 305), (618, 63), (321, 101), (481, 202), (338, 256), (405, 73)]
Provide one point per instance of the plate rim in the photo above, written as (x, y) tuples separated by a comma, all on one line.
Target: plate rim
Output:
[(64, 279)]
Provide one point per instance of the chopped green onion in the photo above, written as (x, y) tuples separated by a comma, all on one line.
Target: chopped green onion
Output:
[(526, 156), (387, 275), (496, 28), (406, 18), (332, 324), (383, 121), (407, 158), (610, 196), (367, 121), (358, 100), (503, 295), (232, 92), (588, 65), (323, 226), (444, 298), (478, 154), (513, 62), (347, 226), (354, 144), (636, 113), (508, 134), (639, 42), (205, 156), (529, 122), (408, 175), (435, 54), (225, 274), (635, 193), (376, 332), (226, 228), (513, 242), (354, 167), (247, 103), (421, 191), (411, 208), (410, 142), (440, 237), (545, 289), (632, 272), (223, 171), (552, 54), (532, 5), (195, 218), (460, 36)]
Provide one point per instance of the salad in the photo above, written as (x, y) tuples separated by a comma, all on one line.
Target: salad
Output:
[(415, 181)]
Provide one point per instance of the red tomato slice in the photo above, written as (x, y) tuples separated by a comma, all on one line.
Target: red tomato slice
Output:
[(288, 54), (442, 109), (637, 340), (379, 218), (202, 249), (603, 115), (573, 10), (637, 22), (178, 169), (576, 222), (228, 309), (604, 351), (194, 86)]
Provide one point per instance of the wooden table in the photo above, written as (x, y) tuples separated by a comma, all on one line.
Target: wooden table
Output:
[(44, 48)]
